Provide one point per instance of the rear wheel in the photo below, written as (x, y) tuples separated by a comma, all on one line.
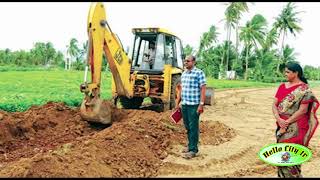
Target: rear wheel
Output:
[(156, 100), (133, 103)]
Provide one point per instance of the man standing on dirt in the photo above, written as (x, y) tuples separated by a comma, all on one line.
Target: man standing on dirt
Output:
[(192, 95)]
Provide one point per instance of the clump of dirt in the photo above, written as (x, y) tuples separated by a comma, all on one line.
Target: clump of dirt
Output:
[(211, 133), (53, 141), (24, 134)]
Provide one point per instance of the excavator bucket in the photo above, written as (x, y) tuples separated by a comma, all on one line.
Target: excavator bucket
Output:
[(97, 111), (94, 109)]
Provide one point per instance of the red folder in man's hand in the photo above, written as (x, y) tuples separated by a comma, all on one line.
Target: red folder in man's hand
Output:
[(176, 115)]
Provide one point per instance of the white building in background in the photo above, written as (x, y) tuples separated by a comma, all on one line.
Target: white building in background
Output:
[(231, 75)]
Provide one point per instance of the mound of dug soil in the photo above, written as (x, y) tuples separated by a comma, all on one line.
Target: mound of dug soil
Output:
[(53, 141)]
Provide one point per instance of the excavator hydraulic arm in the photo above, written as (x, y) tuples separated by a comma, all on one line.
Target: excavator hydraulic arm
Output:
[(102, 39)]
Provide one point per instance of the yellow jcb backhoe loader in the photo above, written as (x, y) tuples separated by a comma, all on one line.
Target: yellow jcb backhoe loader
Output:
[(132, 80)]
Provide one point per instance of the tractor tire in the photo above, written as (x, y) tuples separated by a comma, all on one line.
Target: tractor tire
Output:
[(133, 103), (156, 101), (174, 82)]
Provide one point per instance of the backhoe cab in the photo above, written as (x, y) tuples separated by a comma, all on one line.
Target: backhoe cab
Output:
[(133, 78), (156, 79)]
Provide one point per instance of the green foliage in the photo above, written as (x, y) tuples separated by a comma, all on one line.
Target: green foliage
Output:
[(42, 54), (257, 56), (272, 79), (41, 57), (271, 39), (208, 63), (313, 83), (59, 60), (311, 73), (188, 50), (78, 65), (208, 38), (73, 49), (288, 20), (77, 55), (27, 68)]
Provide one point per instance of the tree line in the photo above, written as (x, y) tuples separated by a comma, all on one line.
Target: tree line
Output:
[(44, 55), (252, 55)]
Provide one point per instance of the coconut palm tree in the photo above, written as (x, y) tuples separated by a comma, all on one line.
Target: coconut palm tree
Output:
[(232, 16), (252, 34), (287, 21), (209, 63), (271, 39), (269, 60), (49, 53), (72, 50), (288, 55), (239, 8), (83, 51), (207, 39), (188, 50)]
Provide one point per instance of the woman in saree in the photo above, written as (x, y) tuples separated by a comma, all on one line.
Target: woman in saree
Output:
[(295, 109)]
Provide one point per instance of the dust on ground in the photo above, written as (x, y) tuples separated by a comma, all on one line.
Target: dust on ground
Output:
[(53, 141)]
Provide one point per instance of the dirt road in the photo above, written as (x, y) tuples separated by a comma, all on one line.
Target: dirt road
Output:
[(53, 141), (249, 113)]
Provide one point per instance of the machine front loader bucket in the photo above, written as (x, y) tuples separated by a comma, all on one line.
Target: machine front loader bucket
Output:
[(96, 111)]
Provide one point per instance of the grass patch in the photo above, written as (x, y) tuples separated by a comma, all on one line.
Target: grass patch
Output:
[(20, 90), (228, 84)]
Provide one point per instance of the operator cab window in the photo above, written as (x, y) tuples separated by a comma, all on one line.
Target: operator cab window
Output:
[(141, 50), (180, 54), (170, 51), (159, 61)]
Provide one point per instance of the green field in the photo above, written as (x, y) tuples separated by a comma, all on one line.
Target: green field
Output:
[(229, 84), (22, 89)]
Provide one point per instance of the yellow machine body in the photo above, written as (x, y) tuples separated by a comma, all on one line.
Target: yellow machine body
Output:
[(131, 82)]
